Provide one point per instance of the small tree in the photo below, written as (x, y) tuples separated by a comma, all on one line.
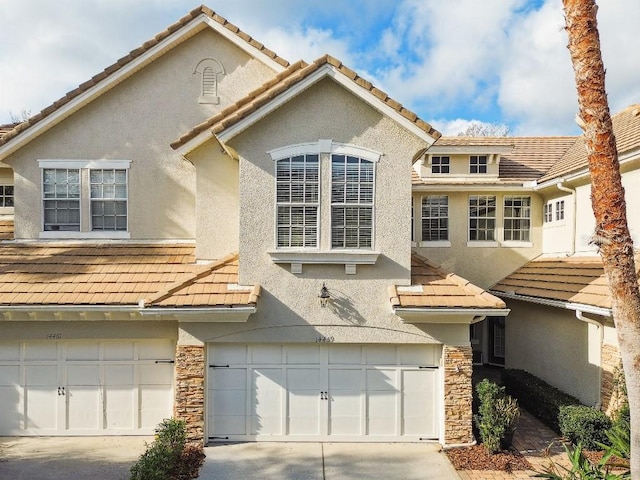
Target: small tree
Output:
[(497, 416)]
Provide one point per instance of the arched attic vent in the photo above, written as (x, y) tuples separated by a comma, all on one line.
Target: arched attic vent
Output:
[(209, 69)]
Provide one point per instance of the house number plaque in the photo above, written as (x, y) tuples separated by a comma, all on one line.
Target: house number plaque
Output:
[(54, 336), (323, 339)]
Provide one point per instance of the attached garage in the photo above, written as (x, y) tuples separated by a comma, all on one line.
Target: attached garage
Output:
[(85, 387), (323, 392)]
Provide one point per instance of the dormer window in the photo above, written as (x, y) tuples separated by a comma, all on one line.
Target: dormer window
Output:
[(477, 164), (440, 164)]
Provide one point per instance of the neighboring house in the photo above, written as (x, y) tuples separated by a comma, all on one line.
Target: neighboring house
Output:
[(207, 231)]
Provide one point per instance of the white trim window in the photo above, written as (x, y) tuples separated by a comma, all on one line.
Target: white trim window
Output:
[(352, 194), (61, 199), (6, 196), (477, 164), (297, 201), (548, 212), (482, 218), (435, 218), (559, 210), (108, 199), (85, 198), (517, 219), (440, 164)]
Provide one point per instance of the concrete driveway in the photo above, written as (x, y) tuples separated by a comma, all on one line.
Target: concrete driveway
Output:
[(326, 461), (110, 458), (69, 458)]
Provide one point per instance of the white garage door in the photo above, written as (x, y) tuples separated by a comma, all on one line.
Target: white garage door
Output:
[(323, 392), (85, 388)]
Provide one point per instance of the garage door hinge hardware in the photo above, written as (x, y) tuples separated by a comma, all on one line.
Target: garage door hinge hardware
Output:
[(324, 395), (218, 438), (165, 361), (61, 391), (218, 366), (429, 368)]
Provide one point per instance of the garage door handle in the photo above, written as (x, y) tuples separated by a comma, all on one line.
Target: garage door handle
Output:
[(428, 368), (165, 361), (60, 390), (218, 366), (324, 395)]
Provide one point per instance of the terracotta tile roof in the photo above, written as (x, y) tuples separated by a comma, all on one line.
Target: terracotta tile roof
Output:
[(529, 159), (432, 287), (626, 128), (568, 279), (6, 128), (281, 83), (6, 229), (122, 62), (115, 274)]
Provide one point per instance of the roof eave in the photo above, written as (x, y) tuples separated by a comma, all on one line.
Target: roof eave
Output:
[(445, 315), (581, 307)]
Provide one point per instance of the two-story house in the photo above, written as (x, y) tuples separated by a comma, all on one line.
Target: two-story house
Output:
[(208, 231)]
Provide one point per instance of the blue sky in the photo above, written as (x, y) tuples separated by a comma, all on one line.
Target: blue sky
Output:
[(452, 62)]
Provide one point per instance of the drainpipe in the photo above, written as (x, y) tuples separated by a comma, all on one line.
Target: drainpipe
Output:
[(580, 316), (574, 220)]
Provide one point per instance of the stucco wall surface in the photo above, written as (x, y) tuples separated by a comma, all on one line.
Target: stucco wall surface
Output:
[(555, 346), (136, 120), (483, 266)]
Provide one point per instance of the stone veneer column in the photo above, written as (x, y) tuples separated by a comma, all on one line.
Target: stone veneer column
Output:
[(189, 391), (612, 396), (458, 395)]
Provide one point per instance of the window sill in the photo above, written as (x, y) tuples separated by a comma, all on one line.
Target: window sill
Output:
[(85, 235), (482, 244), (516, 244), (348, 258), (436, 243)]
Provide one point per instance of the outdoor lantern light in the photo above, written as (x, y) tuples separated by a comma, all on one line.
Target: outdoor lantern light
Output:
[(324, 296)]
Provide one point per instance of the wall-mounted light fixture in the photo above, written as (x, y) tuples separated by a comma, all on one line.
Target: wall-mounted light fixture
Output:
[(324, 296)]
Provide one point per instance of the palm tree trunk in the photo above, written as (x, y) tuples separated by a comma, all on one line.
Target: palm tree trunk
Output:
[(607, 197)]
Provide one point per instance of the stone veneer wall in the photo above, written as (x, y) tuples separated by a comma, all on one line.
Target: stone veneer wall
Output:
[(612, 393), (189, 396), (458, 395)]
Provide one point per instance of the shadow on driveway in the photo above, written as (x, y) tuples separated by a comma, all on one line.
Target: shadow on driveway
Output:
[(69, 458)]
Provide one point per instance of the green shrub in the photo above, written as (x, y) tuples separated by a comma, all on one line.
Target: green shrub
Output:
[(581, 468), (167, 458), (619, 436), (538, 397), (584, 425), (497, 416)]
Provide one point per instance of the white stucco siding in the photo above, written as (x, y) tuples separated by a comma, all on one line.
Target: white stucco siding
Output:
[(483, 266), (136, 120), (71, 329), (570, 362), (558, 234), (327, 111)]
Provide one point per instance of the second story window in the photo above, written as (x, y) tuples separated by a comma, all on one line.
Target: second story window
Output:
[(435, 218), (297, 201), (61, 199), (85, 198), (517, 219), (560, 210), (352, 182), (477, 164), (548, 212), (482, 218), (440, 164)]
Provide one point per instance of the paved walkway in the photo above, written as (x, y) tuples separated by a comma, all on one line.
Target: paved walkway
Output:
[(532, 439)]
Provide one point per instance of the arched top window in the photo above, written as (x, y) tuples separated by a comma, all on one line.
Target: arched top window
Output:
[(209, 70)]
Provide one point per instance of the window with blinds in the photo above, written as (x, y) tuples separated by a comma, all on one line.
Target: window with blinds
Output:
[(352, 191), (297, 201)]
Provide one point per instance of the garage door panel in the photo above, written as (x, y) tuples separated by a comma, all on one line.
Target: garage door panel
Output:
[(155, 374), (122, 350), (155, 404), (120, 405), (324, 391), (42, 407), (119, 375), (83, 351), (41, 351), (155, 350), (83, 407), (9, 351)]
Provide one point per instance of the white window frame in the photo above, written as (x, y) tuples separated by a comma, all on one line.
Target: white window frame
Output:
[(302, 204), (524, 209), (439, 242), (3, 198), (482, 242), (478, 163), (547, 214), (358, 205), (84, 167), (559, 211)]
